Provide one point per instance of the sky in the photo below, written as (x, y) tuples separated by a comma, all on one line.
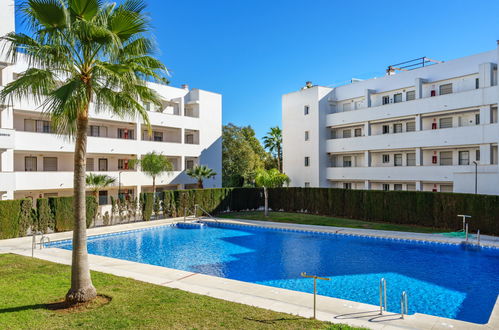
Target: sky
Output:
[(253, 52)]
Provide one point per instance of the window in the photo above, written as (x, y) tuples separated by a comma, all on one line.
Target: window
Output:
[(477, 83), (411, 187), (307, 161), (410, 126), (189, 164), (347, 161), (157, 136), (29, 125), (347, 107), (50, 163), (386, 129), (306, 135), (147, 106), (43, 126), (397, 128), (347, 185), (358, 132), (123, 164), (411, 159), (445, 122), (397, 98), (102, 164), (397, 187), (477, 119), (102, 197), (493, 115), (94, 130), (306, 110), (385, 158), (385, 187), (347, 133), (493, 158), (307, 184), (397, 159), (385, 99), (90, 164), (189, 138), (477, 155), (125, 133), (446, 158), (464, 157), (410, 95), (30, 164), (445, 188), (445, 89)]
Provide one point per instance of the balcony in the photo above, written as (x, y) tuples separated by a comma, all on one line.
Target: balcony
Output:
[(467, 99), (465, 135), (64, 179), (7, 138), (404, 173)]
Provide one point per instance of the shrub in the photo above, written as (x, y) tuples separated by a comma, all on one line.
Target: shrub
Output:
[(44, 217), (147, 205), (62, 209), (9, 218)]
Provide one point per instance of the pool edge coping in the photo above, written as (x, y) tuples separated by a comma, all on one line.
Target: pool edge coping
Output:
[(276, 304)]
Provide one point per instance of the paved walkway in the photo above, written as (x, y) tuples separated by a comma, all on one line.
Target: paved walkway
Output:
[(281, 300)]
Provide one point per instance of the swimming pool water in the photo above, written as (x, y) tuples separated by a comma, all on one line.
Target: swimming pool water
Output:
[(444, 280)]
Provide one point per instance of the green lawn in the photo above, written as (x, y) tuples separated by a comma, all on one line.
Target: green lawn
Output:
[(27, 285), (308, 219)]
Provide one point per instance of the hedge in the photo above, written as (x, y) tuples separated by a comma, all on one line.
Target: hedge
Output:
[(15, 218), (437, 210), (62, 210), (216, 200)]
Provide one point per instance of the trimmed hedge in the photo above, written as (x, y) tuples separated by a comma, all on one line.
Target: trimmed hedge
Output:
[(15, 218), (62, 210), (437, 210), (178, 202)]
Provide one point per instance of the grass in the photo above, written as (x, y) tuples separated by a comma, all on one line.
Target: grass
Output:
[(27, 285), (309, 219)]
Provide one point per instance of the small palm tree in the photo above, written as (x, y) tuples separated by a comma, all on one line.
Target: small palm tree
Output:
[(201, 172), (78, 52), (273, 143), (154, 165), (270, 179), (98, 181)]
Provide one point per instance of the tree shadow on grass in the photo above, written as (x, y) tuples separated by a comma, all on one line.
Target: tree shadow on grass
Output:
[(271, 321), (62, 306)]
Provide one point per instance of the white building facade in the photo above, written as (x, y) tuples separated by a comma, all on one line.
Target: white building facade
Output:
[(35, 162), (433, 128)]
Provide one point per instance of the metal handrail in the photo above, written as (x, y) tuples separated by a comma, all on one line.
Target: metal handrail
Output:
[(382, 294), (478, 237), (403, 305), (44, 239), (206, 212), (186, 209)]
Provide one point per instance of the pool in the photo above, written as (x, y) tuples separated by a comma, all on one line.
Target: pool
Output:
[(445, 280)]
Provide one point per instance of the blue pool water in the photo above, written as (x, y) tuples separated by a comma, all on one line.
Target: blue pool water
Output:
[(445, 280)]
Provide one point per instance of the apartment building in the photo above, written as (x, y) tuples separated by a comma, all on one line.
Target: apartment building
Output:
[(35, 162), (429, 127)]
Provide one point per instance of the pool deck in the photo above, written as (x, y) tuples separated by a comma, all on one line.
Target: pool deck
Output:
[(281, 300)]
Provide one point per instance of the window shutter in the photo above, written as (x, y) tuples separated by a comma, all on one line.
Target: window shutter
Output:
[(50, 163)]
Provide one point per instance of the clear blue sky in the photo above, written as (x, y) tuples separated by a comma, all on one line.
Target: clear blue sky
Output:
[(254, 51)]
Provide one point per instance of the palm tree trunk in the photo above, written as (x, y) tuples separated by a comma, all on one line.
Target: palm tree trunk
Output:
[(266, 195), (279, 159), (154, 186), (200, 184), (82, 288)]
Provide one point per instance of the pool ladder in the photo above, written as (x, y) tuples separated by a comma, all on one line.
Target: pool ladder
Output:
[(43, 240), (404, 309), (382, 295), (194, 215)]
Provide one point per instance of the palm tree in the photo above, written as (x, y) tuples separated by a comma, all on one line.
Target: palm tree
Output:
[(154, 165), (273, 143), (78, 52), (98, 181), (200, 173), (270, 179)]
